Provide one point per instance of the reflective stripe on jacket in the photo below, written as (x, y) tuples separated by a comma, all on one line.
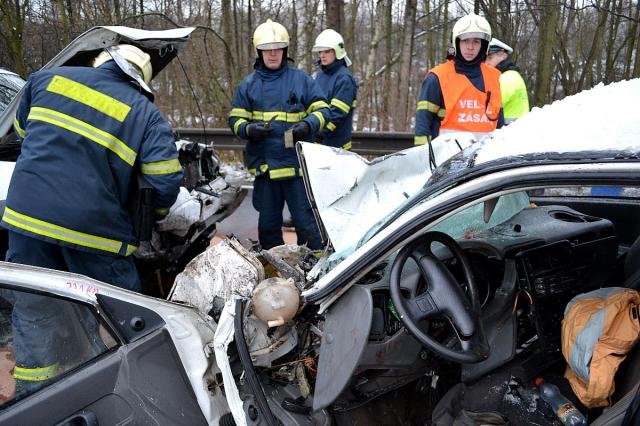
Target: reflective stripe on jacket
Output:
[(282, 97), (85, 130), (467, 108), (515, 100), (340, 88)]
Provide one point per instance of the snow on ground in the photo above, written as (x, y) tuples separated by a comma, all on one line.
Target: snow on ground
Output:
[(604, 117)]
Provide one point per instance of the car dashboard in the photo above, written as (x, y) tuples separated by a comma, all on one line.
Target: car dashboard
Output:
[(536, 262)]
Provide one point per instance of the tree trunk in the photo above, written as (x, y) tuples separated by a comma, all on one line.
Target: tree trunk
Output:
[(335, 12), (293, 31), (227, 34), (402, 114), (610, 66), (350, 33), (586, 77), (64, 21), (446, 34), (365, 103), (632, 37), (636, 67), (546, 41), (308, 33), (384, 115), (13, 19), (430, 42)]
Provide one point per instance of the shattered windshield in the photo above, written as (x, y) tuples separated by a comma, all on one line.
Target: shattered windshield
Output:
[(10, 84), (470, 221)]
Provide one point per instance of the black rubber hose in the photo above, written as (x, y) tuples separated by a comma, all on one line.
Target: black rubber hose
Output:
[(247, 364)]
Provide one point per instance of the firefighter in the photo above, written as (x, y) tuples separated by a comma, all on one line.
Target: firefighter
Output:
[(85, 131), (273, 99), (515, 100), (339, 86), (462, 94)]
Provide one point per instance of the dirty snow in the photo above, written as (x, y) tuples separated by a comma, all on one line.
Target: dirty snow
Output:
[(605, 117)]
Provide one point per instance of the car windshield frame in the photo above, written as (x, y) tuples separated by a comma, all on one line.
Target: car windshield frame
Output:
[(461, 168)]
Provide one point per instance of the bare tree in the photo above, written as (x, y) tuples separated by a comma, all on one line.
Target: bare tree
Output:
[(335, 12), (546, 40), (561, 46), (402, 115), (384, 111), (366, 102), (13, 21)]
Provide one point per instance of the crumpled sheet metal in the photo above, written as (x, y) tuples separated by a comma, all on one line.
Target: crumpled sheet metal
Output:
[(219, 272), (224, 336), (363, 192)]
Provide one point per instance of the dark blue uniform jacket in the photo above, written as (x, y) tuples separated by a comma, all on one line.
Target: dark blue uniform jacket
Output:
[(85, 130), (341, 90), (282, 97)]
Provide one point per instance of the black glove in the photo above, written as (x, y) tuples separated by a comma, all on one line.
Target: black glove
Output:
[(258, 130), (318, 137), (300, 131)]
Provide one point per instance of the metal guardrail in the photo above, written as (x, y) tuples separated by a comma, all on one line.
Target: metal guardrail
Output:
[(367, 143)]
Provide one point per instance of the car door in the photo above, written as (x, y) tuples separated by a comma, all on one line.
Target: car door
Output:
[(115, 361)]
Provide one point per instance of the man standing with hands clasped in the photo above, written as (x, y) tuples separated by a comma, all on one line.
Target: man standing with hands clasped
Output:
[(273, 107)]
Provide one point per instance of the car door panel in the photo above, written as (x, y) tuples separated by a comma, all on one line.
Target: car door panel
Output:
[(117, 365), (139, 383)]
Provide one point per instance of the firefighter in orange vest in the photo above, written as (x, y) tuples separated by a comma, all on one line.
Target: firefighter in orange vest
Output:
[(463, 94)]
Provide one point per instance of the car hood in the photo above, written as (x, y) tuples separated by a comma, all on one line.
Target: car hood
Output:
[(364, 195), (162, 46)]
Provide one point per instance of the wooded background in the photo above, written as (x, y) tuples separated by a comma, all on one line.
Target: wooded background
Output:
[(561, 47)]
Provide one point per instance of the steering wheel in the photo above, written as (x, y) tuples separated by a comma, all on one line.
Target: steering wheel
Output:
[(443, 297)]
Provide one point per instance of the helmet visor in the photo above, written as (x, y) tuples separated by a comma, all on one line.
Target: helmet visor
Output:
[(496, 49), (272, 46), (480, 35), (317, 49)]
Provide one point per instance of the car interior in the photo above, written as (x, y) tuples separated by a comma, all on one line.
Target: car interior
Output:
[(526, 269), (468, 315)]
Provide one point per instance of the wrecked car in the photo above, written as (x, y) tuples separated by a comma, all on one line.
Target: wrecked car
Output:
[(439, 290), (209, 192)]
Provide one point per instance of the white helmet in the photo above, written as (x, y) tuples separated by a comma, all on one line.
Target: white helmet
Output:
[(471, 26), (136, 57), (331, 40), (270, 35), (496, 45)]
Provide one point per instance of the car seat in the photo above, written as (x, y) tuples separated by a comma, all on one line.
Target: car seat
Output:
[(632, 266), (627, 394)]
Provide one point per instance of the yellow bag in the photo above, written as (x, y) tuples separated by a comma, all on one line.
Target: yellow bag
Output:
[(598, 330)]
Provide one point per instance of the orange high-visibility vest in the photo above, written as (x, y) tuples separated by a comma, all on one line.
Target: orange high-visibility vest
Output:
[(467, 108)]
